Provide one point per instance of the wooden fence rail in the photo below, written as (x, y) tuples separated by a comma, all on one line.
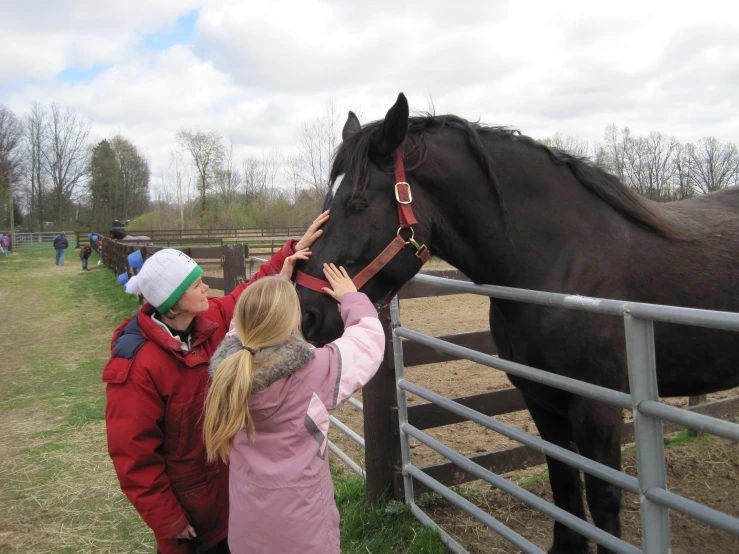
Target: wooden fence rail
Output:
[(257, 232), (232, 258)]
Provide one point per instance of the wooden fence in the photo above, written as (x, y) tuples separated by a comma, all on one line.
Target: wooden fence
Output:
[(256, 247), (231, 257), (157, 235)]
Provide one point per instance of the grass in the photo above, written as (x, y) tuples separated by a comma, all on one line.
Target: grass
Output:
[(58, 491), (672, 440), (390, 527)]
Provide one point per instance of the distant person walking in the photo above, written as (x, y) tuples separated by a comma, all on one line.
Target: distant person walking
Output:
[(5, 243), (60, 245)]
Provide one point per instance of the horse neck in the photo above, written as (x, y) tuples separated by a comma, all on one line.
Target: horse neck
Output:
[(550, 214)]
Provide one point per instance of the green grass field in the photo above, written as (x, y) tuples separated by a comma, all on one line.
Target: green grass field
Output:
[(58, 490)]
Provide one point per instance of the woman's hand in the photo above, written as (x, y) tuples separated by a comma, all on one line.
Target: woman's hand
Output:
[(288, 265), (313, 232), (188, 533), (340, 281)]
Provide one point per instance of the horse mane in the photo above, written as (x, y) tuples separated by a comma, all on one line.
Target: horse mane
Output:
[(353, 158)]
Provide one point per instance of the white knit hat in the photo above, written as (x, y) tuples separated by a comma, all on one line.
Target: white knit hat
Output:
[(164, 278)]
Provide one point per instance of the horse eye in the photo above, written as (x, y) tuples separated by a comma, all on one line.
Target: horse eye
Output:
[(356, 207)]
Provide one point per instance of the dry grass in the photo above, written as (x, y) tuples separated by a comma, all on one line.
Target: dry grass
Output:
[(58, 490)]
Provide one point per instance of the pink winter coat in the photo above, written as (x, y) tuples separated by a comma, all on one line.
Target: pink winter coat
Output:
[(280, 487)]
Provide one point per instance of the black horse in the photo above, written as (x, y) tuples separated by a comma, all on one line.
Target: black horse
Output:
[(507, 210)]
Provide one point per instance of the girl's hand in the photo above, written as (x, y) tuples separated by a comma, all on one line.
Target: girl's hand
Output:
[(313, 232), (289, 265), (340, 282)]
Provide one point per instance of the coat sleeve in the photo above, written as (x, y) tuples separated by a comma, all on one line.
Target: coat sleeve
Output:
[(221, 309), (354, 358), (134, 415)]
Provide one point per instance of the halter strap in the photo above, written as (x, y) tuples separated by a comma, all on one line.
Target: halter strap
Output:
[(406, 219)]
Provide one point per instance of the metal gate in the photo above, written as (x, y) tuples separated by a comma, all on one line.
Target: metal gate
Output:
[(649, 412)]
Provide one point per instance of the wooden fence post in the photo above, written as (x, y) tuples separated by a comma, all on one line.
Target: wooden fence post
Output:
[(382, 447), (234, 267)]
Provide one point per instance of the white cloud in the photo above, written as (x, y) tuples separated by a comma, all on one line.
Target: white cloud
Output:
[(256, 70), (53, 35)]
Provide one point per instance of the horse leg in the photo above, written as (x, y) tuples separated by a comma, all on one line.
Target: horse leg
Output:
[(564, 480), (597, 431)]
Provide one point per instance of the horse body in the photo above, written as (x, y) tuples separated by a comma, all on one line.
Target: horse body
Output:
[(508, 211)]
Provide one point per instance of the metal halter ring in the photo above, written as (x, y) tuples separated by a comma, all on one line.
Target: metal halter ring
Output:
[(419, 247), (413, 235)]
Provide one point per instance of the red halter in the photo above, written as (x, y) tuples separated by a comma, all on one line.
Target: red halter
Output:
[(406, 218)]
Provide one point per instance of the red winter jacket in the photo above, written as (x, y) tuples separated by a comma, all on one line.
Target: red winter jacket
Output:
[(155, 395)]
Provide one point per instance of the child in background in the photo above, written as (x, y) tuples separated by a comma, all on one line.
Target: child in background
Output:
[(5, 243), (85, 252), (267, 414)]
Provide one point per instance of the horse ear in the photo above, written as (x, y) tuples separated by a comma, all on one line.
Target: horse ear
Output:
[(351, 126), (395, 127)]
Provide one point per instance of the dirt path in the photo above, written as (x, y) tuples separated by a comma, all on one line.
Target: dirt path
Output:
[(58, 490)]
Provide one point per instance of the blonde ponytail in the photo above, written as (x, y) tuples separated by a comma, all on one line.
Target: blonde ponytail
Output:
[(227, 404), (266, 314)]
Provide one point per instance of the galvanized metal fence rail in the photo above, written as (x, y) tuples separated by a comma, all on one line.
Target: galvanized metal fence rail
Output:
[(651, 484)]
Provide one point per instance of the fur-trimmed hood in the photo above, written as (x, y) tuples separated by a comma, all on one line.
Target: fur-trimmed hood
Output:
[(272, 363)]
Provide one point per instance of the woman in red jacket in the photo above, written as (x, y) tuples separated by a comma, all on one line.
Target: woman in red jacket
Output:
[(157, 381)]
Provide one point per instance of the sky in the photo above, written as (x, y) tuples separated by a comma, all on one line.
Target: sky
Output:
[(256, 71)]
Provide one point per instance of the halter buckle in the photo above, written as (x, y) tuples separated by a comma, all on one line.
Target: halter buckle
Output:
[(397, 193)]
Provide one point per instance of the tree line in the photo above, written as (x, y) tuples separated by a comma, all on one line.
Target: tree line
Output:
[(658, 166), (58, 177), (59, 180)]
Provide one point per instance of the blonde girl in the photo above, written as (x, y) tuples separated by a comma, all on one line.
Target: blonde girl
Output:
[(267, 414)]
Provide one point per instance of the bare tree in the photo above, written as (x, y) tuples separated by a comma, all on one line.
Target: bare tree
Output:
[(683, 187), (713, 165), (135, 177), (568, 143), (616, 145), (659, 153), (649, 164), (11, 135), (175, 177), (65, 158), (35, 127), (317, 142), (227, 177), (253, 179), (272, 163), (206, 149)]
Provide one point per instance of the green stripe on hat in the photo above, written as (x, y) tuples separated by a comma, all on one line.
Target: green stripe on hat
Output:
[(180, 290)]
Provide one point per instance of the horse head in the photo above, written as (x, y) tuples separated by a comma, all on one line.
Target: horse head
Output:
[(366, 222)]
